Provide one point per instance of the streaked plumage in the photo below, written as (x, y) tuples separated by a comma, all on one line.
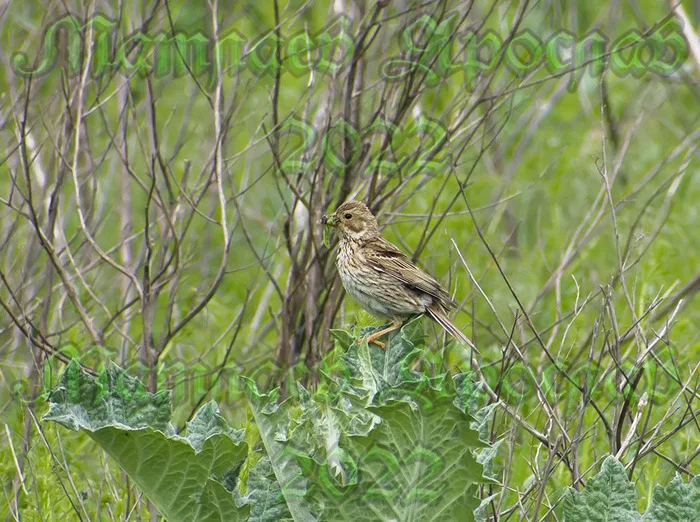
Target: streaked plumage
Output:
[(380, 278)]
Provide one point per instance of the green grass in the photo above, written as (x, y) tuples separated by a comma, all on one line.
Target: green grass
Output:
[(529, 190)]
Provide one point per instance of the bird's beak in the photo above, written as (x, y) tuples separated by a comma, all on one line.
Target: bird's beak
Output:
[(329, 220)]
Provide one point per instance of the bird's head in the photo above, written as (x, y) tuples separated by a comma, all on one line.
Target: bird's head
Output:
[(353, 220)]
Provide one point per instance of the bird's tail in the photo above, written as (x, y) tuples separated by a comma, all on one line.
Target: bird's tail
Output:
[(439, 315)]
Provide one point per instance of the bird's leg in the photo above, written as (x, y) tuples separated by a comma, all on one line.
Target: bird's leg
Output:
[(373, 338)]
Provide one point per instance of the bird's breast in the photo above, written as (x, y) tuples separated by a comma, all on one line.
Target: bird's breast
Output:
[(381, 295), (358, 278), (349, 258)]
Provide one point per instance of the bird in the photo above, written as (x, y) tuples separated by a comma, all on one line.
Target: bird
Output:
[(381, 278)]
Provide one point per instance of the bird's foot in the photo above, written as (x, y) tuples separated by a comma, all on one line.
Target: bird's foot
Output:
[(373, 338), (370, 339)]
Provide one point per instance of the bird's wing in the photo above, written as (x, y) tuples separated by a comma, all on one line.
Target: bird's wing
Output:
[(384, 257)]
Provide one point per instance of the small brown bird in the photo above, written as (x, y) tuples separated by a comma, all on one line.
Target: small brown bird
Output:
[(380, 278)]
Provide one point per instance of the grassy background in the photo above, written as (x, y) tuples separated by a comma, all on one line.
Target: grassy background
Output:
[(532, 158)]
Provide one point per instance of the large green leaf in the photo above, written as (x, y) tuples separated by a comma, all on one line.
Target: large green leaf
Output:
[(377, 370), (608, 496), (267, 504), (380, 442), (273, 421), (188, 478), (416, 464), (675, 502)]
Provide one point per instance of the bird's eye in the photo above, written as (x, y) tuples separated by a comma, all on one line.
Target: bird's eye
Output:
[(348, 216)]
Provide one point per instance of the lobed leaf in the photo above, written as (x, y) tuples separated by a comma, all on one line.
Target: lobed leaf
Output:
[(186, 478)]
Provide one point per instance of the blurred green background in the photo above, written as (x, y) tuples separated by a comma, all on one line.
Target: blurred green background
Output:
[(540, 159)]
